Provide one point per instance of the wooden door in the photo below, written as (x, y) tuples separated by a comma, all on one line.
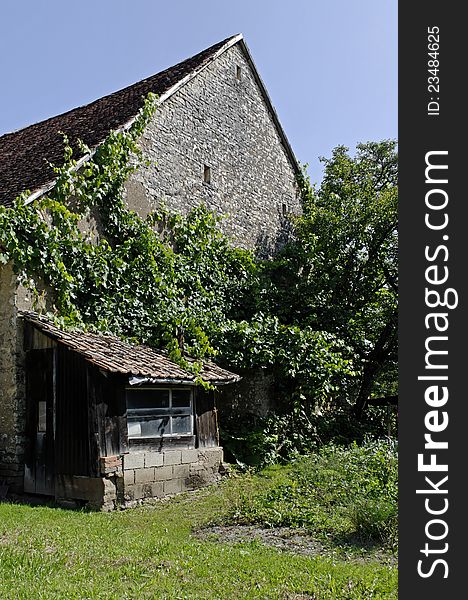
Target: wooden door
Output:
[(39, 472), (206, 420)]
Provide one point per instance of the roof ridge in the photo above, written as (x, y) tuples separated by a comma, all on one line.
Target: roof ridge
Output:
[(27, 155)]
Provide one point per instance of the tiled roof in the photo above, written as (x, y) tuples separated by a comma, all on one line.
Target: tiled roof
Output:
[(25, 154), (116, 356)]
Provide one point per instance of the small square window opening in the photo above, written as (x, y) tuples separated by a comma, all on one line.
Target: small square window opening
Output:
[(207, 174)]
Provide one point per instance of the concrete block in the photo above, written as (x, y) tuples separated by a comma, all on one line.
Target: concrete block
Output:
[(154, 459), (162, 473), (134, 492), (172, 486), (129, 477), (189, 456), (153, 490), (181, 471), (172, 457), (134, 460), (144, 475), (92, 489)]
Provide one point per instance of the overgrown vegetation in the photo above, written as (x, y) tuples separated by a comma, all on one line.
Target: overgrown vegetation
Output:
[(156, 552), (346, 497), (321, 315), (279, 438), (339, 275)]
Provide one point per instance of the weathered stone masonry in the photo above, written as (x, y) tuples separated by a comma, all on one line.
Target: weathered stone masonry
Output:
[(13, 297), (222, 122)]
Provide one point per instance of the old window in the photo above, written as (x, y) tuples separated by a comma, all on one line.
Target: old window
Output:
[(284, 209), (238, 73), (207, 174), (156, 412)]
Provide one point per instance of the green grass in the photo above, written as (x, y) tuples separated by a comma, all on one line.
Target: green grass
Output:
[(150, 552)]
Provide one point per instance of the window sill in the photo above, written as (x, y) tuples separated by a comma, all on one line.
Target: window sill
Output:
[(165, 436)]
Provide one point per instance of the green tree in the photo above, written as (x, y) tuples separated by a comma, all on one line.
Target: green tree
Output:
[(340, 274)]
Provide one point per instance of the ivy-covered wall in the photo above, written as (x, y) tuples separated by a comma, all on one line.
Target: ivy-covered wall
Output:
[(217, 120), (222, 122)]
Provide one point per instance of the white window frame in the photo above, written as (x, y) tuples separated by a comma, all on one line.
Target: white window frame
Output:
[(189, 411)]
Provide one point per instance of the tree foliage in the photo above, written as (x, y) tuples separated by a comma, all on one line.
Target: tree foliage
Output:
[(169, 280), (340, 274), (321, 313)]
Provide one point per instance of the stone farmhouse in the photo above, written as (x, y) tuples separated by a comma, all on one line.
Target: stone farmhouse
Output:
[(91, 418)]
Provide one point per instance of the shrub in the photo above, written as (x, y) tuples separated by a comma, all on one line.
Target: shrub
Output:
[(335, 493)]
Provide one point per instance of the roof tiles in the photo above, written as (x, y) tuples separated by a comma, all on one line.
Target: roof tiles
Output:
[(25, 154), (117, 356)]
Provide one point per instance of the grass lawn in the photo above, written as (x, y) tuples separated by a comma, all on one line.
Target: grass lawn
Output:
[(151, 552)]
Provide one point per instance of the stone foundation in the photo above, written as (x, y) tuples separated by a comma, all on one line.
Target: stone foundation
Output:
[(144, 475)]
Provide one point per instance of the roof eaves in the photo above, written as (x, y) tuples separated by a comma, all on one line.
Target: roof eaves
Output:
[(99, 357)]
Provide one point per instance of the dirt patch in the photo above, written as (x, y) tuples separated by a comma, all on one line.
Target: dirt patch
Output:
[(289, 539), (283, 538)]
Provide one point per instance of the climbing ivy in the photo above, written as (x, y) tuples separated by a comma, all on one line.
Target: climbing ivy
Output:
[(167, 280)]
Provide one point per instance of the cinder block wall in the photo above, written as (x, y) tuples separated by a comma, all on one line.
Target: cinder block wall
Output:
[(157, 474), (224, 123)]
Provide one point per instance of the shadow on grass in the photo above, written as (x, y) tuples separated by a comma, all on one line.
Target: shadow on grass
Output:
[(38, 500)]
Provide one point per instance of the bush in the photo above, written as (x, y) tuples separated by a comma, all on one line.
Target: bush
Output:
[(336, 493), (376, 520), (279, 438)]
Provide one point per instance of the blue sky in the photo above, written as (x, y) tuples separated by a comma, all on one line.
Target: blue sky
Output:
[(330, 66)]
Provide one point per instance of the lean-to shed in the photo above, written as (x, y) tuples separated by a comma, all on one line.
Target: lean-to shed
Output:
[(109, 423)]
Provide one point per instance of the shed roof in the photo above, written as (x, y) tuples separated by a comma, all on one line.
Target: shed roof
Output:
[(26, 154), (117, 356)]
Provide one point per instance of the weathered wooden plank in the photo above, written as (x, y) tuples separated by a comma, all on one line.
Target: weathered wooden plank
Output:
[(206, 420), (72, 446), (40, 443)]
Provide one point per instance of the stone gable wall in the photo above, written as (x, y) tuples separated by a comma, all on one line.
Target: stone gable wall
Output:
[(224, 123)]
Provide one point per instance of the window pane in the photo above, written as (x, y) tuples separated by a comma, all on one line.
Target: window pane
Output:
[(182, 424), (156, 412), (134, 429), (145, 399), (181, 398), (155, 427), (149, 427)]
